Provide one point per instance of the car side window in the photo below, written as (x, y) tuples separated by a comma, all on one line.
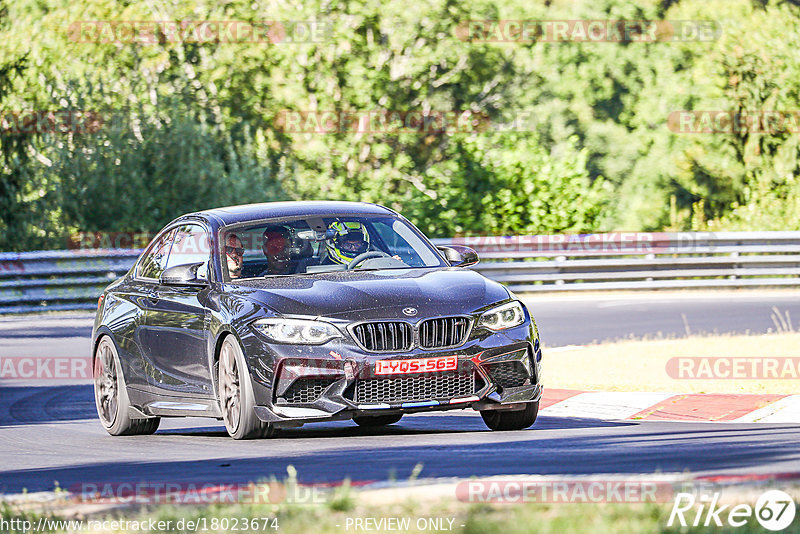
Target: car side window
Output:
[(155, 259), (191, 244)]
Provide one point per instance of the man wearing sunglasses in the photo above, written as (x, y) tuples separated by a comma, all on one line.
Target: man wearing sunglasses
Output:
[(234, 254)]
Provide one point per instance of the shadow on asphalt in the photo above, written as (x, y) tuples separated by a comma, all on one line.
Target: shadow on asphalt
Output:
[(46, 404), (51, 404), (642, 447), (554, 446), (413, 425)]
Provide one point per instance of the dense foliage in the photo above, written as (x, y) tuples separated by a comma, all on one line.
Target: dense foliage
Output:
[(586, 144)]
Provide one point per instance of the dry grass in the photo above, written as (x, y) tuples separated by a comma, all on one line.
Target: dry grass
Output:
[(641, 365)]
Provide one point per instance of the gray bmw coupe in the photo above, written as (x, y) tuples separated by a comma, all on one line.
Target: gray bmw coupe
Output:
[(279, 314)]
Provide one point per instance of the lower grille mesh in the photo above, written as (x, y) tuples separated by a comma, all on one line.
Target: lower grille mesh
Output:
[(508, 374), (306, 390), (418, 388)]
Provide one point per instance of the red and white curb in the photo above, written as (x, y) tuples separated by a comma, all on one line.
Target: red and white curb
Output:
[(644, 406)]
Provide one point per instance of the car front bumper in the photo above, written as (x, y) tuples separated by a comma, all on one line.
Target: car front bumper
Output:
[(337, 380)]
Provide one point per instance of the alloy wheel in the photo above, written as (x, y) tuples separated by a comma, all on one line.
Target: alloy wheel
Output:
[(106, 384), (229, 388)]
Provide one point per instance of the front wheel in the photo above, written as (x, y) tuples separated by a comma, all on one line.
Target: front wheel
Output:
[(236, 399), (511, 420), (111, 395), (377, 420)]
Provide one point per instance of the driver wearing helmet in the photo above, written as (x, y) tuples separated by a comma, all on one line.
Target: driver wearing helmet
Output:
[(350, 239)]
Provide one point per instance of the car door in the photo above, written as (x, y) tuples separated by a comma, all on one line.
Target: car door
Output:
[(176, 322), (143, 289)]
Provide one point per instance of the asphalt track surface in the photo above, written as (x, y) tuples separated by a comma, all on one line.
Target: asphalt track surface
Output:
[(49, 432)]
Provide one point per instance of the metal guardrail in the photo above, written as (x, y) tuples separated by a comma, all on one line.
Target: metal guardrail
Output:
[(73, 280), (59, 280), (635, 260)]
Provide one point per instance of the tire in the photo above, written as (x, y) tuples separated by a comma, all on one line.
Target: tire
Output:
[(236, 399), (111, 395), (377, 420), (511, 420)]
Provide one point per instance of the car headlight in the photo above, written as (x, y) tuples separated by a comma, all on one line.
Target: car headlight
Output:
[(297, 331), (502, 317)]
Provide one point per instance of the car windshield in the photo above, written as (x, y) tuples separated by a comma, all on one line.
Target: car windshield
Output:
[(319, 244)]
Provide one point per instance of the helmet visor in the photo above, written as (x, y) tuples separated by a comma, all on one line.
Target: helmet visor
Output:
[(353, 245)]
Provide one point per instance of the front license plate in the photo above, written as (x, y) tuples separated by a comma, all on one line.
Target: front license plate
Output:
[(424, 365)]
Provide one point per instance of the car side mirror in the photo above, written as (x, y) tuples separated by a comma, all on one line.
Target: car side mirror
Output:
[(183, 275), (459, 255)]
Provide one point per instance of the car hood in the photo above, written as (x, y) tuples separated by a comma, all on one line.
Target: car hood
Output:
[(360, 295)]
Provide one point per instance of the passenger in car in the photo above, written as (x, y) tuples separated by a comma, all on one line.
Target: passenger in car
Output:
[(285, 253), (234, 253)]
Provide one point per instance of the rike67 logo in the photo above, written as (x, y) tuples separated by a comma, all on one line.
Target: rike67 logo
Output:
[(774, 510)]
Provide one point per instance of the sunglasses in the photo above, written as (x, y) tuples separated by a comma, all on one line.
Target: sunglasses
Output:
[(238, 251)]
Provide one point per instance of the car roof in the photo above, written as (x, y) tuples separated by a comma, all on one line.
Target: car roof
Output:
[(266, 210)]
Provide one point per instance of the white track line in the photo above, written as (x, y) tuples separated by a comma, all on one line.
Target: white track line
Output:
[(785, 410), (605, 405)]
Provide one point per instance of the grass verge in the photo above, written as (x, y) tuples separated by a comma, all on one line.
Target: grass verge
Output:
[(407, 516)]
